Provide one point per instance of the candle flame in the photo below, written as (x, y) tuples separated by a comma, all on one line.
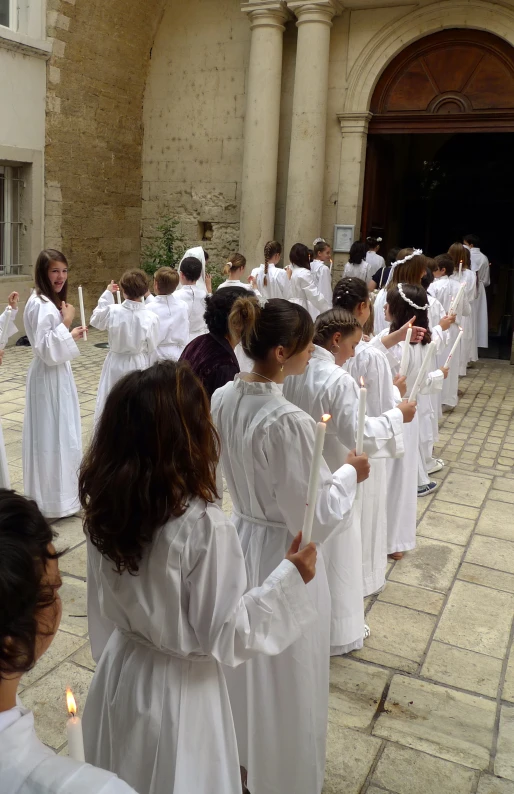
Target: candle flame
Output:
[(460, 328), (326, 418), (362, 382), (71, 703)]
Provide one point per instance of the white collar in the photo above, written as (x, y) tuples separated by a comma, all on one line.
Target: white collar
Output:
[(323, 354), (8, 718)]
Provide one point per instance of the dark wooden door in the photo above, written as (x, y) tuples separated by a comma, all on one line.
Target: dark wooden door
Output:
[(377, 189)]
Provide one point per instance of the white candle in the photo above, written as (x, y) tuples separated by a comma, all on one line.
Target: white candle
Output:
[(460, 269), (431, 348), (312, 492), (5, 329), (143, 300), (118, 296), (406, 353), (454, 348), (82, 313), (363, 396), (454, 308), (74, 730)]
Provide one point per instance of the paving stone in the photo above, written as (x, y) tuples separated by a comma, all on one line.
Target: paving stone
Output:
[(494, 785), (491, 553), (84, 658), (504, 762), (412, 597), (47, 699), (463, 669), (74, 606), (355, 692), (63, 646), (496, 521), (502, 496), (407, 771), (386, 659), (464, 489), (347, 770), (70, 533), (440, 721), (448, 528), (477, 619), (396, 628), (450, 509), (432, 564), (75, 562)]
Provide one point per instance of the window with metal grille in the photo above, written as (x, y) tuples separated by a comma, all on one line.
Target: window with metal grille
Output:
[(11, 188)]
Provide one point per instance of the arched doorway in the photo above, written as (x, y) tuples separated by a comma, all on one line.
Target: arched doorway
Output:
[(439, 157)]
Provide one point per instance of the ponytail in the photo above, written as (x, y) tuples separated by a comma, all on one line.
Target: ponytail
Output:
[(271, 249), (236, 262), (261, 329)]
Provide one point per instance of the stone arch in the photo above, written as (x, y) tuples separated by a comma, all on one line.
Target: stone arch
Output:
[(392, 39), (96, 80)]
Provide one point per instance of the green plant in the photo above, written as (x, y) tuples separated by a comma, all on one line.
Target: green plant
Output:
[(166, 250)]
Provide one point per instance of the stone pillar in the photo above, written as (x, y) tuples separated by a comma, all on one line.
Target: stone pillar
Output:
[(354, 129), (308, 133), (261, 132)]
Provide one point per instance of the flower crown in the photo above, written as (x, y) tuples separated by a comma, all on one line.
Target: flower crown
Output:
[(411, 303), (416, 252)]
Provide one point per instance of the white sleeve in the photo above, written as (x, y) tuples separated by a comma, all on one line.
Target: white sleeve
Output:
[(154, 331), (231, 623), (3, 319), (290, 456), (100, 317), (52, 340), (433, 383), (312, 294), (285, 283), (99, 627), (325, 283)]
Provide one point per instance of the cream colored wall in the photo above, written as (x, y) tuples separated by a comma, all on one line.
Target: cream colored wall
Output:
[(193, 121)]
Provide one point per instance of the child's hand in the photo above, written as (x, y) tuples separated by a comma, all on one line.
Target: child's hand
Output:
[(112, 287), (68, 313), (78, 333), (208, 282), (252, 281), (408, 410), (305, 560), (361, 465), (13, 300), (445, 371), (400, 381), (447, 321)]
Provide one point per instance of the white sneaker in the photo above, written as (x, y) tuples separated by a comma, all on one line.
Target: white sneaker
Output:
[(436, 465)]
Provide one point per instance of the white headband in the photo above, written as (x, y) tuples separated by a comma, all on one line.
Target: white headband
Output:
[(416, 252), (319, 240), (411, 303)]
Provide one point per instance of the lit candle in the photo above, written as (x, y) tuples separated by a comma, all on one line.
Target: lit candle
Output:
[(74, 730), (406, 352), (5, 329), (82, 313), (363, 396), (454, 348), (312, 492), (431, 348), (460, 269), (143, 300), (118, 295)]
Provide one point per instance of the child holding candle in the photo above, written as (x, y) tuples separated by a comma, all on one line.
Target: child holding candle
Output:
[(469, 349), (29, 619), (169, 601), (133, 328), (173, 315), (52, 440), (280, 704), (325, 387)]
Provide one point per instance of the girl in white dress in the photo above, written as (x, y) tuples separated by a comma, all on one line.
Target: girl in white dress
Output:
[(52, 440), (235, 269), (326, 388), (29, 619), (469, 349), (321, 268), (372, 256), (168, 597), (268, 279), (357, 265), (304, 289), (280, 704), (133, 328)]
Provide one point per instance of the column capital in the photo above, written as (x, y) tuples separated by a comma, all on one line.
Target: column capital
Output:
[(266, 13), (354, 122), (314, 10)]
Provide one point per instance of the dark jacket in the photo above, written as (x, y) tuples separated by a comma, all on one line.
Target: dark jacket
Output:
[(213, 360)]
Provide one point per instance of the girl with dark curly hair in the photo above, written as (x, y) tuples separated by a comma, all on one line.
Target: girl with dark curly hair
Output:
[(30, 614), (168, 597)]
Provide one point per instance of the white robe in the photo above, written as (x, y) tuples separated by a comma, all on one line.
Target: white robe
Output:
[(306, 293), (158, 711), (197, 253), (133, 339), (194, 297), (278, 285), (27, 766), (469, 351), (236, 283), (403, 472), (375, 260), (480, 265), (379, 321), (5, 480), (280, 704), (323, 278), (326, 388), (371, 364), (173, 326), (365, 271), (52, 437), (446, 289)]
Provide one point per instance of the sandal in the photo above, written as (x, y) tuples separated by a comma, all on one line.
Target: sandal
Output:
[(396, 555)]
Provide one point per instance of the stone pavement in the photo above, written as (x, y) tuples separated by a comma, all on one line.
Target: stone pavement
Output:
[(427, 706)]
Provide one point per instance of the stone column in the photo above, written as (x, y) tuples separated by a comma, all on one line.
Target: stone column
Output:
[(261, 131), (308, 133), (354, 129)]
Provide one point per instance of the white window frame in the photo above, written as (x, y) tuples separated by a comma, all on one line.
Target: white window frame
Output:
[(8, 265), (13, 16)]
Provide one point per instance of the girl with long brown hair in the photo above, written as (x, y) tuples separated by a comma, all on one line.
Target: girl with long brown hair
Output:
[(169, 601), (267, 451), (269, 279), (463, 274), (52, 440)]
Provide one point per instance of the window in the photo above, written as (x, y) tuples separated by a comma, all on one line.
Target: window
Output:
[(8, 13), (11, 188)]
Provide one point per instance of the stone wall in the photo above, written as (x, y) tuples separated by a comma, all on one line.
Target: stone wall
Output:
[(96, 80)]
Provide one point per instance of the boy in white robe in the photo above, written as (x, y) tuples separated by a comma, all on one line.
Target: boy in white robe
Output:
[(480, 266), (193, 294), (133, 332), (202, 256), (29, 575), (173, 315), (321, 268)]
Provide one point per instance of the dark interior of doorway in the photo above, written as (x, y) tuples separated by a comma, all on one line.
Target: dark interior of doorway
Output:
[(438, 187)]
